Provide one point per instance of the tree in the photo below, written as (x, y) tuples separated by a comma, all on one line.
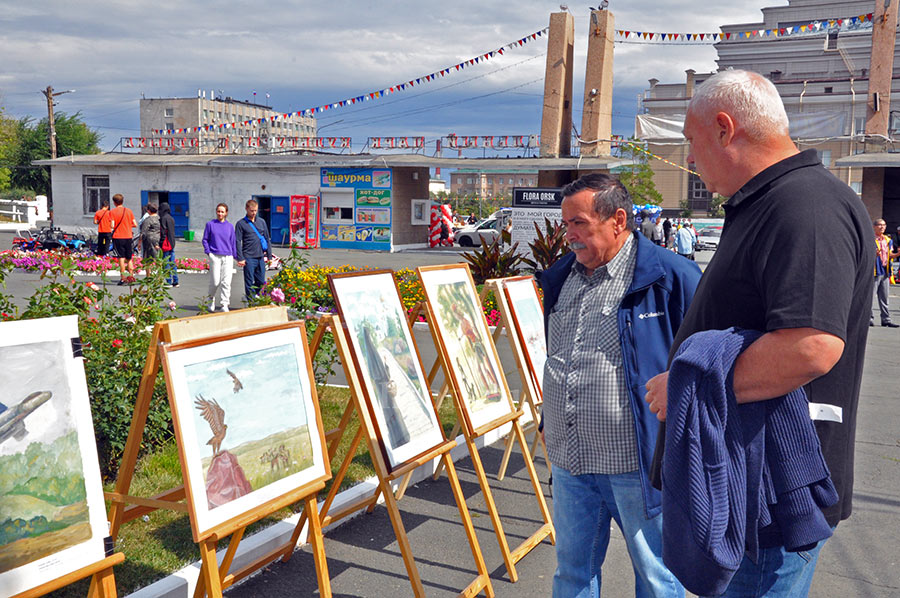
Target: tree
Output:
[(73, 136), (7, 149), (638, 176)]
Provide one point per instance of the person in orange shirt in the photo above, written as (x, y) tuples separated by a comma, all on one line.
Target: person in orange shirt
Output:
[(122, 222), (104, 227)]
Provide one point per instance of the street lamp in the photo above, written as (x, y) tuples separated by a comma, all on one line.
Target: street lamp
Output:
[(50, 94)]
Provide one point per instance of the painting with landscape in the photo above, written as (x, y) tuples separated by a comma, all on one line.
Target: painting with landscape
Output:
[(247, 422), (383, 346), (468, 346), (52, 517), (529, 321)]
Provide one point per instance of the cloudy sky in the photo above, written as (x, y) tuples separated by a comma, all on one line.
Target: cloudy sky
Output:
[(306, 54)]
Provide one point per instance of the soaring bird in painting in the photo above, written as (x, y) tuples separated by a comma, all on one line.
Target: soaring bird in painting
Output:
[(215, 417), (237, 383)]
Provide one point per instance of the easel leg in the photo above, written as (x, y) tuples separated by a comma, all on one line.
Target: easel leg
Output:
[(484, 579), (318, 547), (504, 463), (535, 481), (404, 484), (440, 465), (492, 510), (209, 571), (103, 584), (402, 540)]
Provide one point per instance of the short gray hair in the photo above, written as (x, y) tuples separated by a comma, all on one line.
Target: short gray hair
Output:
[(609, 195), (749, 97)]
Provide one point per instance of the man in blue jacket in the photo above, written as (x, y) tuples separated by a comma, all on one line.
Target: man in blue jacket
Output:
[(611, 310), (253, 246)]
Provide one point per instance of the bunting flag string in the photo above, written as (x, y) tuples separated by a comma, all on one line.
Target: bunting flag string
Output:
[(637, 37), (654, 156), (366, 97)]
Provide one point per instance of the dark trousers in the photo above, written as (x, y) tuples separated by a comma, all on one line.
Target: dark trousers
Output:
[(103, 242), (254, 275)]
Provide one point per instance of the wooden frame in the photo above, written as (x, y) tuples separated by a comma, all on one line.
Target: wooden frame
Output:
[(400, 404), (103, 582), (386, 476), (510, 557), (53, 514), (485, 397), (214, 577), (300, 410), (531, 394)]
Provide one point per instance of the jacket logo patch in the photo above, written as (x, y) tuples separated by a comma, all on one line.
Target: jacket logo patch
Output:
[(652, 314)]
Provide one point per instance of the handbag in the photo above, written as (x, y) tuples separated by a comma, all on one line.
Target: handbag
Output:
[(166, 246)]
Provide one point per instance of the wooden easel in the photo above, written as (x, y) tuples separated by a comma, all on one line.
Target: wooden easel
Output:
[(214, 578), (510, 557), (332, 323), (103, 582), (529, 395)]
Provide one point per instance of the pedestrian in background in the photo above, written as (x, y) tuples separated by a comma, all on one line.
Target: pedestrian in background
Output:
[(104, 228), (219, 246), (884, 253), (167, 242), (252, 247), (122, 220), (685, 240), (150, 235)]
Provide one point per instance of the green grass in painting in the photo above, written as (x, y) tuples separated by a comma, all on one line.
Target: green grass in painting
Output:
[(163, 543)]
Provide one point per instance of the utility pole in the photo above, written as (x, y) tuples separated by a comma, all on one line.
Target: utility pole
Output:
[(50, 119)]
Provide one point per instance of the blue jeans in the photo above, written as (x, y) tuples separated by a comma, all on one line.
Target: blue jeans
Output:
[(254, 276), (169, 257), (777, 574), (583, 507)]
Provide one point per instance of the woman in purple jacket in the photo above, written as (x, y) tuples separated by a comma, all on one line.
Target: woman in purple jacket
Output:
[(218, 244)]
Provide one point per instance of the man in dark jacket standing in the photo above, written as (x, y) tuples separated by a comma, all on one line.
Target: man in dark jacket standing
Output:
[(253, 247), (774, 272), (167, 242), (611, 310)]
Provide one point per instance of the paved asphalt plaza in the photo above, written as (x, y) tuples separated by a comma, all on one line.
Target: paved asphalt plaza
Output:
[(363, 557)]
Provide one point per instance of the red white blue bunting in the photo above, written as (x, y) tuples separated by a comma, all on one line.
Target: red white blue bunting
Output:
[(366, 97)]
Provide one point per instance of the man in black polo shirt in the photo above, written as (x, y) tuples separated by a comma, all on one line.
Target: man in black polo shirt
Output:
[(794, 262)]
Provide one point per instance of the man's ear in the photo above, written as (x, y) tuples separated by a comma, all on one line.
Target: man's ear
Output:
[(621, 220), (725, 128)]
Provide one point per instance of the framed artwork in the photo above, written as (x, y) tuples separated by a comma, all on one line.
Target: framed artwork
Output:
[(247, 421), (462, 332), (387, 361), (52, 515), (528, 316)]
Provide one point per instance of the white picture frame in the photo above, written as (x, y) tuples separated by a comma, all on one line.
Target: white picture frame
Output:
[(528, 319), (274, 441), (388, 363), (52, 440)]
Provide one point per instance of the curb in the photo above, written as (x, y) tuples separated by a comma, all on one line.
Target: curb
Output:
[(181, 584)]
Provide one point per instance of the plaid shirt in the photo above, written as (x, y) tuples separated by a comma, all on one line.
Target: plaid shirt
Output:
[(589, 425)]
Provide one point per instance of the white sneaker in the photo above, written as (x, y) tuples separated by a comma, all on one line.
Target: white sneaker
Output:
[(212, 306), (224, 308)]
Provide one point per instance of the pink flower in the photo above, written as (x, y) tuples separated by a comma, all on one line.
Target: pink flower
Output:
[(117, 342), (88, 300), (172, 305), (92, 286), (278, 294)]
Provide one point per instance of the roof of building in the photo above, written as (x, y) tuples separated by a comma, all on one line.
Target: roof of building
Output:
[(336, 161), (872, 160)]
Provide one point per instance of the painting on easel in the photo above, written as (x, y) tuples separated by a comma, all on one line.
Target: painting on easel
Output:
[(528, 314), (246, 419), (52, 515), (388, 362), (470, 352)]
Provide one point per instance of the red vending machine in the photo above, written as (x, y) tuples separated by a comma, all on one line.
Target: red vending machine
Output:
[(305, 220)]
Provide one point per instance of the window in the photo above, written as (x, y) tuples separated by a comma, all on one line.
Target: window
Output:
[(512, 181), (859, 125), (831, 40), (170, 112), (825, 157), (170, 126), (829, 90), (469, 180), (856, 186), (96, 190), (698, 195), (205, 114), (895, 121)]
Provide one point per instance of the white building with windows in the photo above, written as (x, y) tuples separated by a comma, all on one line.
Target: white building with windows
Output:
[(821, 75), (241, 119)]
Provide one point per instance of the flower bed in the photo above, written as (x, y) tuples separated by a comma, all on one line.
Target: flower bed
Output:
[(42, 261)]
